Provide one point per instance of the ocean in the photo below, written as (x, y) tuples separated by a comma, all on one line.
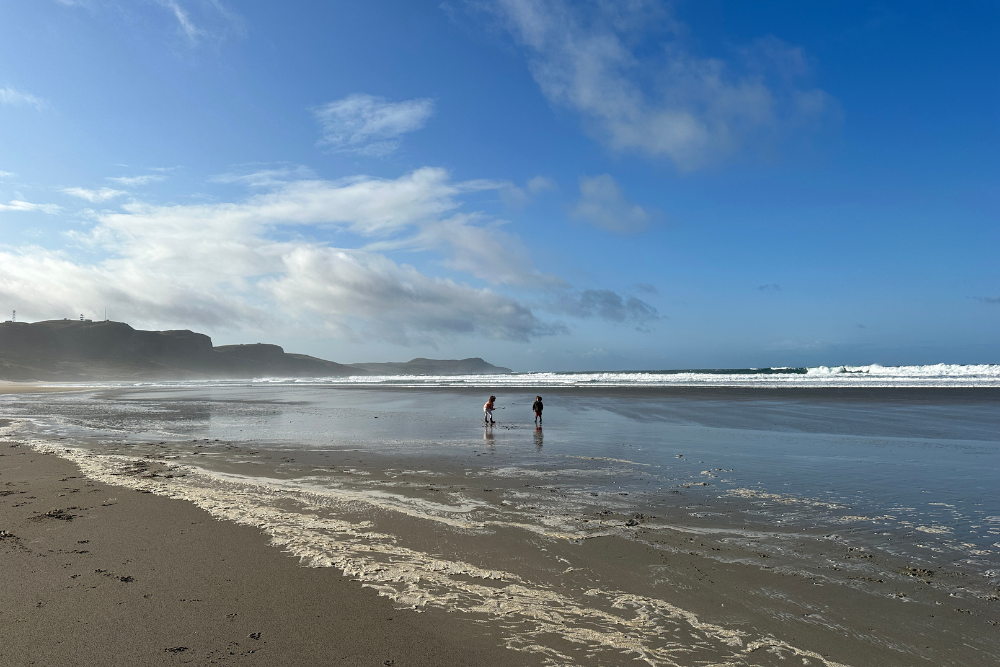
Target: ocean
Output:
[(825, 515)]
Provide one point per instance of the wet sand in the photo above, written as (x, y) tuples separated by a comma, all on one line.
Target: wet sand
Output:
[(93, 574), (34, 388), (539, 561), (104, 574)]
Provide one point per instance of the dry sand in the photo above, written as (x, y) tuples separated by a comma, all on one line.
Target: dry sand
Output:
[(98, 575)]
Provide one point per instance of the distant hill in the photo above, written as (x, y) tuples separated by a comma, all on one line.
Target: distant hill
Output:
[(421, 366), (71, 350), (79, 351)]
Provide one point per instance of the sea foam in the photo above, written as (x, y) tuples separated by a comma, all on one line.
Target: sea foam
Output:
[(874, 375)]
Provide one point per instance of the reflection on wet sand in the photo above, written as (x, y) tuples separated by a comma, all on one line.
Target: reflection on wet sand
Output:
[(708, 531)]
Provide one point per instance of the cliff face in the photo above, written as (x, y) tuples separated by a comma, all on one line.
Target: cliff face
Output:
[(71, 350), (75, 351), (73, 339)]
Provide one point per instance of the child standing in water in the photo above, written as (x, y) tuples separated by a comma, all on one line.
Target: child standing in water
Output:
[(537, 407), (488, 411)]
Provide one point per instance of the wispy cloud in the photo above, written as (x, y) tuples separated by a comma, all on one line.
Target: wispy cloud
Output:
[(771, 287), (608, 305), (102, 194), (516, 197), (194, 21), (991, 300), (19, 205), (603, 205), (13, 97), (183, 19), (267, 178), (7, 174), (129, 181), (661, 101), (370, 125)]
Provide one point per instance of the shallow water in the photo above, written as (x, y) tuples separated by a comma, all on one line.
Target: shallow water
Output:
[(903, 481)]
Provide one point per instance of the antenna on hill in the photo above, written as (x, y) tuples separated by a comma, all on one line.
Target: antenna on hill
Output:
[(13, 316), (105, 313), (81, 317)]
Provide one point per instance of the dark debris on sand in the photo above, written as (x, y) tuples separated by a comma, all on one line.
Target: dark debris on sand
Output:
[(59, 514)]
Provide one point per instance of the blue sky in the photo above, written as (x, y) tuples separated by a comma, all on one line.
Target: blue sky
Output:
[(548, 185)]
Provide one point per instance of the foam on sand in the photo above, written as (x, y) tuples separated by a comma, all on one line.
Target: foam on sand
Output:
[(596, 626)]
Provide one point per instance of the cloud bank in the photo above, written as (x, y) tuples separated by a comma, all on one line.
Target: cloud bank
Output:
[(266, 262)]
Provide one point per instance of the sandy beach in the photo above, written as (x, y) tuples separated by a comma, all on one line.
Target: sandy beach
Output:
[(99, 575), (288, 525)]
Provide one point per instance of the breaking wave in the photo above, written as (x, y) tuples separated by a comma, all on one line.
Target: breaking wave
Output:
[(874, 375)]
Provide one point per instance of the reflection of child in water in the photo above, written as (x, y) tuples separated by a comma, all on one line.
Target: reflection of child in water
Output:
[(488, 411), (537, 407)]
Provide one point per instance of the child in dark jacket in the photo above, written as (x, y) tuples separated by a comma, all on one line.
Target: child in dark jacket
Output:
[(537, 407)]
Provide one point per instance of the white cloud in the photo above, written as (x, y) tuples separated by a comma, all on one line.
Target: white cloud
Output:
[(396, 303), (7, 174), (661, 102), (129, 181), (370, 125), (51, 285), (486, 252), (231, 264), (19, 205), (603, 205), (103, 194), (13, 97)]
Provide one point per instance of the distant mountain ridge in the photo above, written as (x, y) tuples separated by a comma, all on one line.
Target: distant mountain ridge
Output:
[(77, 351)]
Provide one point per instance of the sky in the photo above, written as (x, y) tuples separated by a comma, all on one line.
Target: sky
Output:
[(548, 185)]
